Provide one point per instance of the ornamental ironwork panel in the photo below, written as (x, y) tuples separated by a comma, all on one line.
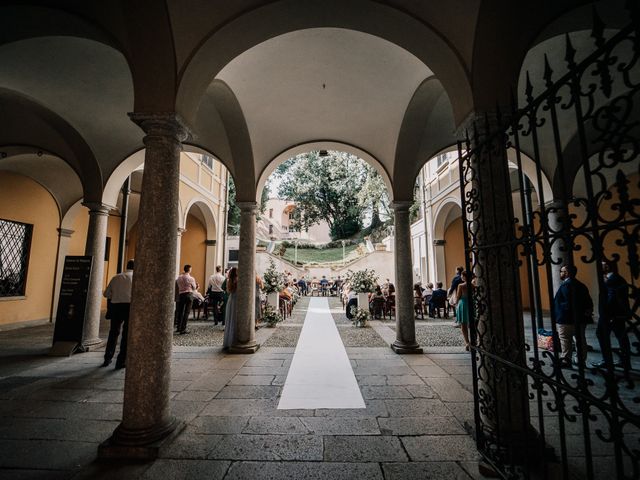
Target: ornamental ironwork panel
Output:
[(551, 207), (15, 242)]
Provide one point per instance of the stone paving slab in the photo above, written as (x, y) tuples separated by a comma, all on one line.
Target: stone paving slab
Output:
[(363, 449), (276, 426), (420, 426), (246, 379), (370, 392), (187, 470), (416, 407), (28, 474), (440, 448), (268, 447), (46, 454), (373, 408), (250, 391), (190, 446), (70, 429), (217, 425), (303, 470), (424, 471), (341, 426)]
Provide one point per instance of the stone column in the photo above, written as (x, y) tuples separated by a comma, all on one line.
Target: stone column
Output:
[(497, 306), (179, 249), (146, 417), (96, 239), (405, 317), (64, 237), (210, 260), (245, 337)]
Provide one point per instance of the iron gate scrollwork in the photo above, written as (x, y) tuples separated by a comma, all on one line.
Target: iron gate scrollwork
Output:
[(554, 184)]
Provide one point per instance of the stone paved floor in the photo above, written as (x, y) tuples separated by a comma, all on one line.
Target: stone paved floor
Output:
[(55, 411)]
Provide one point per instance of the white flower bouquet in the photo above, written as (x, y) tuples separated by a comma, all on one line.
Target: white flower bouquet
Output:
[(360, 317), (273, 280), (362, 281)]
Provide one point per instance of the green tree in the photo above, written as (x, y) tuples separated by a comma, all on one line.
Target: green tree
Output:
[(329, 188), (233, 212)]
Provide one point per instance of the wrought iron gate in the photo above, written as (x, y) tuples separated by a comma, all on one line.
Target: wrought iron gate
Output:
[(566, 163)]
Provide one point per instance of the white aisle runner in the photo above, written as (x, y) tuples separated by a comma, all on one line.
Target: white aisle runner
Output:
[(320, 375)]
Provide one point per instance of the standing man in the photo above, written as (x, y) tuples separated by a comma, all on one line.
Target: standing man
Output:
[(119, 294), (216, 294), (573, 307), (186, 286), (302, 285), (614, 311)]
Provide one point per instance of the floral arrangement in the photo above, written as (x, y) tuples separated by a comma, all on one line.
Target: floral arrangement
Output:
[(360, 317), (362, 281), (273, 280), (271, 316)]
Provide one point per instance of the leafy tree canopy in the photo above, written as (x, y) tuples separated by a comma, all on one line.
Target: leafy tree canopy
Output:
[(338, 188)]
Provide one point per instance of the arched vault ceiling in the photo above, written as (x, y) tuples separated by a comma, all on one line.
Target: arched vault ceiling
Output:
[(49, 171), (85, 82), (327, 84)]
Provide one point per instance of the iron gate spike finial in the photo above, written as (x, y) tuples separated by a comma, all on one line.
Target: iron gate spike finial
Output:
[(570, 54), (597, 32), (528, 91), (548, 72)]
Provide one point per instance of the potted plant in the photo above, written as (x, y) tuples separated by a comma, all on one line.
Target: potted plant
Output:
[(360, 317), (362, 282), (271, 316), (273, 284)]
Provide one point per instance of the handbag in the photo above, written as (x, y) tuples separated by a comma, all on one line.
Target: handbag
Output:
[(545, 340), (452, 298)]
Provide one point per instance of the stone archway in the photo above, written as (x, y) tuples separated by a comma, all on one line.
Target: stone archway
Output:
[(447, 227)]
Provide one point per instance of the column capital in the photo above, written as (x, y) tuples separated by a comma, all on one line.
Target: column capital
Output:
[(97, 208), (65, 232), (401, 205), (162, 124), (485, 122), (248, 207)]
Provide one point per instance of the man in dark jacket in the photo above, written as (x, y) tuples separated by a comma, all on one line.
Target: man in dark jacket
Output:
[(614, 311), (438, 301), (573, 307)]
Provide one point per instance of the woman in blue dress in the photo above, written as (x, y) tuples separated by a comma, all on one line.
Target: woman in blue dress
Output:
[(462, 309), (230, 310)]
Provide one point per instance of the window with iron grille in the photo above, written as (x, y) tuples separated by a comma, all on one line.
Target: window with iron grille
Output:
[(15, 243)]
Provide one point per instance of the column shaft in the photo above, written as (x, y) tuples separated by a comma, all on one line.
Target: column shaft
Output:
[(405, 318), (245, 337), (146, 415), (96, 239), (503, 391)]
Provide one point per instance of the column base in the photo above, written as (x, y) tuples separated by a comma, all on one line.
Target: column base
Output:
[(406, 348), (244, 348), (91, 344), (139, 445)]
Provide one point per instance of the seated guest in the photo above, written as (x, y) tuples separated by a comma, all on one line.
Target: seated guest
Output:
[(426, 295), (352, 303), (376, 302), (438, 300), (324, 285)]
